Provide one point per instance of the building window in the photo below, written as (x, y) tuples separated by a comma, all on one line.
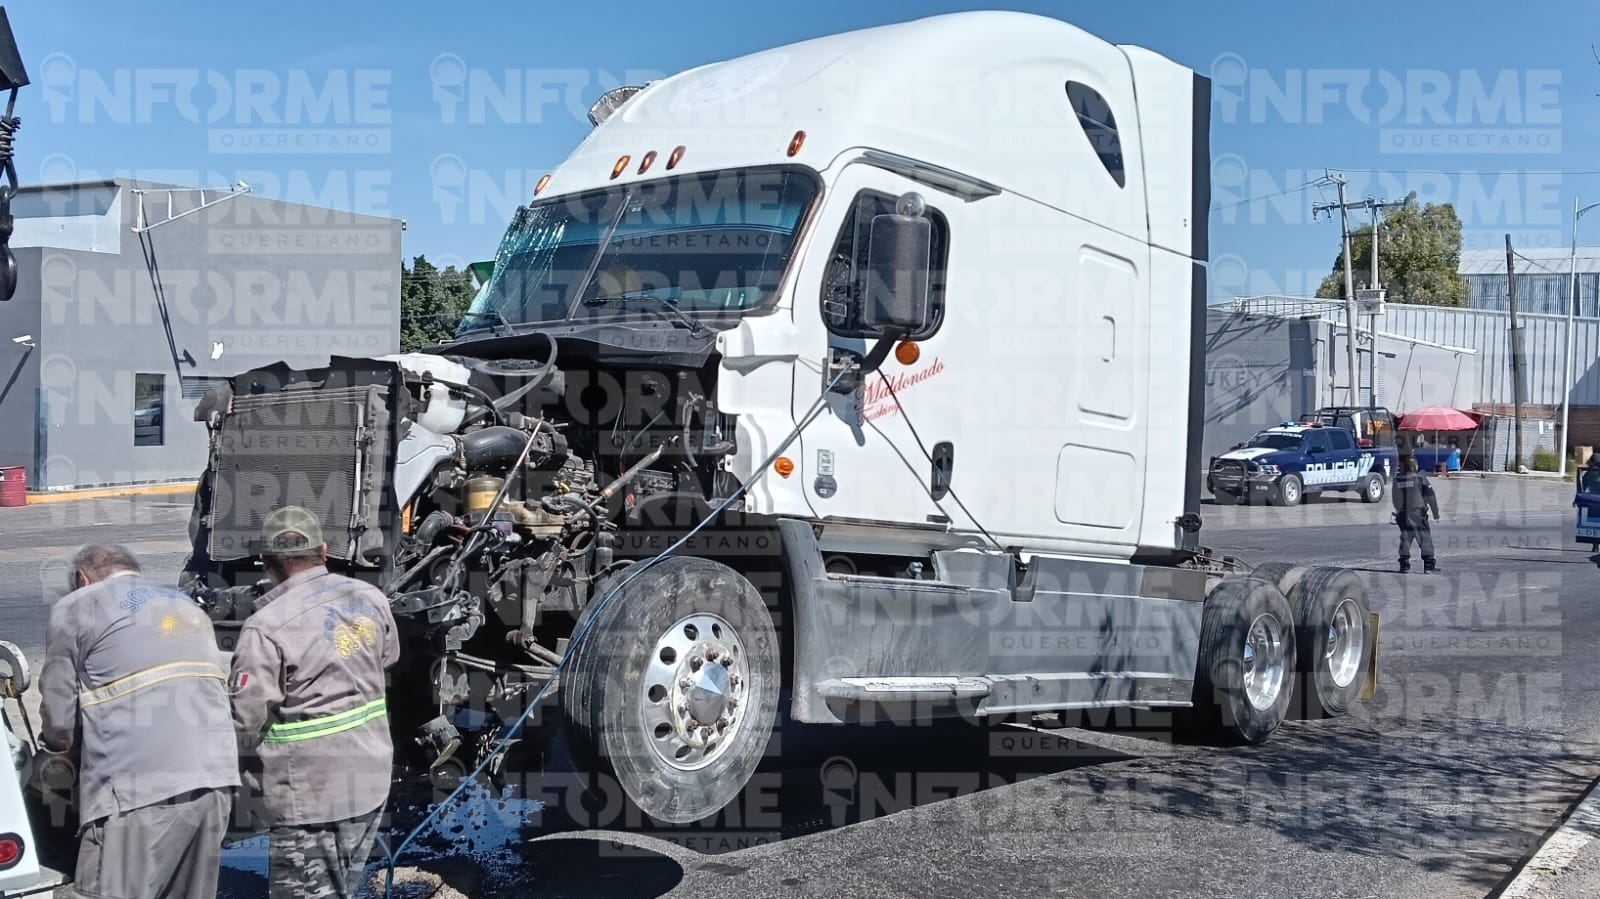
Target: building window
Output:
[(1094, 114), (148, 420)]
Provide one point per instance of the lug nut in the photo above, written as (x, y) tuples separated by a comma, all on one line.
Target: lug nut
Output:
[(683, 709), (733, 680), (723, 722), (696, 662), (727, 661), (683, 683), (711, 654), (733, 702), (705, 732)]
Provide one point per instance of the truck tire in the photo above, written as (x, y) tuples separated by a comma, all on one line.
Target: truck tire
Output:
[(684, 640), (1331, 618), (1373, 488), (1244, 678), (1288, 491), (1283, 575)]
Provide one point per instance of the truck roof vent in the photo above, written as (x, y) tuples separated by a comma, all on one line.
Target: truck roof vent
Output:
[(611, 101)]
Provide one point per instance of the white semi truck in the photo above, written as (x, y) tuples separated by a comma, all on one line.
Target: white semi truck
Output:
[(964, 258)]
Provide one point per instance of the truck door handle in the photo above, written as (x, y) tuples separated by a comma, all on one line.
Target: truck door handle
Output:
[(943, 465)]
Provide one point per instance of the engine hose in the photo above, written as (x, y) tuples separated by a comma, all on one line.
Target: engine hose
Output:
[(470, 547), (491, 446), (632, 571)]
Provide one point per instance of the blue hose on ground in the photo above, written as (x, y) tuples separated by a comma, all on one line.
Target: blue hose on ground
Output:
[(632, 570)]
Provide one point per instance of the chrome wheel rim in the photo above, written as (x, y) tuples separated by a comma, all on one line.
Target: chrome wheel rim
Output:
[(1375, 488), (1345, 636), (1265, 663), (693, 691), (1291, 492)]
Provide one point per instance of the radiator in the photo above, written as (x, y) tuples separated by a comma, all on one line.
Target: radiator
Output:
[(315, 448)]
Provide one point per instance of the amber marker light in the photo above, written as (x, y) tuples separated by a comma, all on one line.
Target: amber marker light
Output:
[(647, 161), (784, 466), (907, 353), (677, 155), (622, 163), (539, 188), (796, 142)]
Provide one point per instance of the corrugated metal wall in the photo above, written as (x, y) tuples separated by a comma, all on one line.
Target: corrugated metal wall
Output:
[(1543, 344), (1537, 292)]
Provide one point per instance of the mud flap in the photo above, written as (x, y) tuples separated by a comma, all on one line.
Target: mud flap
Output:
[(1369, 687)]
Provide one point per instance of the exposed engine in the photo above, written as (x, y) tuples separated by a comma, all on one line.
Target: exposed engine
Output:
[(485, 497)]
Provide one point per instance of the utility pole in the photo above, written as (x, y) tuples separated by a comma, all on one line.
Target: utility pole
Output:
[(1372, 359), (1373, 207), (1572, 308), (1349, 288), (1516, 349)]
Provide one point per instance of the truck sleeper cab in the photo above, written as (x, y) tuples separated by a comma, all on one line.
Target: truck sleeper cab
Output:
[(966, 264)]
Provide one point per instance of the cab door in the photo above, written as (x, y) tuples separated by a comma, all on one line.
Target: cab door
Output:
[(1322, 464), (863, 458)]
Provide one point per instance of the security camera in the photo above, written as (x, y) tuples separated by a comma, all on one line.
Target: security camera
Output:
[(26, 340)]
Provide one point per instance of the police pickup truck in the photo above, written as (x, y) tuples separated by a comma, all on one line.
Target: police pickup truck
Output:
[(1285, 463)]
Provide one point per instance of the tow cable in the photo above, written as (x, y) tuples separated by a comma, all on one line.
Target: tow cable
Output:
[(506, 738)]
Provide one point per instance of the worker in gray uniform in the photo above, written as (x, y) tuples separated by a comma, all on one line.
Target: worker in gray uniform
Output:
[(134, 682), (1413, 500), (309, 685)]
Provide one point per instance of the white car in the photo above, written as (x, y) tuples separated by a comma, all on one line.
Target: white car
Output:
[(21, 871)]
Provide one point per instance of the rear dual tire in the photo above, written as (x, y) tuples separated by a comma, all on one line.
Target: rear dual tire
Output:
[(1332, 620), (1244, 682)]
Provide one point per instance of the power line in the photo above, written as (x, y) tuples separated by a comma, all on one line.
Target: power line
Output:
[(1281, 193), (1477, 172), (1540, 266)]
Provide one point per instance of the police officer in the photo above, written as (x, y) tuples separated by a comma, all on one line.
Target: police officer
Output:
[(133, 667), (309, 688), (1413, 500)]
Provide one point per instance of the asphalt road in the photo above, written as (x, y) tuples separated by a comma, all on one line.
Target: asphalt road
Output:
[(1482, 734)]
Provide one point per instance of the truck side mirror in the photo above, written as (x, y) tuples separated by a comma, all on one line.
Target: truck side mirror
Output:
[(899, 252), (12, 76)]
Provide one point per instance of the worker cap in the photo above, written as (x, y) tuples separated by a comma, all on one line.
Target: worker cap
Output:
[(290, 530)]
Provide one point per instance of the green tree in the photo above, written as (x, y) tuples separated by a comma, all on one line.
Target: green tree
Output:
[(432, 302), (1419, 256)]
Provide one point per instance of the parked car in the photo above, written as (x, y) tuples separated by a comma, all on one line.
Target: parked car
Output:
[(1283, 464)]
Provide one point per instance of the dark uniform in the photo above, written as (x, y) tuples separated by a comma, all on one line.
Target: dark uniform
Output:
[(1413, 500)]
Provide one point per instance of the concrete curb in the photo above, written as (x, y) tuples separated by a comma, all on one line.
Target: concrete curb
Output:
[(176, 487), (1560, 853)]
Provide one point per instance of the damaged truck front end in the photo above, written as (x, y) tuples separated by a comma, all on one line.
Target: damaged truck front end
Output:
[(490, 485)]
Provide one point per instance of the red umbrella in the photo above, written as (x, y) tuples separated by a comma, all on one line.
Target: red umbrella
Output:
[(1437, 418)]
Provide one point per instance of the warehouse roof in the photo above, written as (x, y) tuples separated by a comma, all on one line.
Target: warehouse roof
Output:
[(1533, 260)]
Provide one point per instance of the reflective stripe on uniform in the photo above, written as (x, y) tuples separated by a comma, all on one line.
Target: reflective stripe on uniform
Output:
[(325, 725), (149, 677)]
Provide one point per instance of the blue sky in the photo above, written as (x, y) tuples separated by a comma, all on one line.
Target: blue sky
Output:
[(1494, 108)]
